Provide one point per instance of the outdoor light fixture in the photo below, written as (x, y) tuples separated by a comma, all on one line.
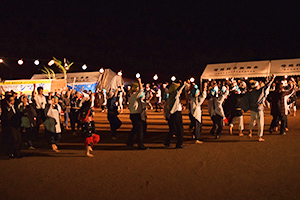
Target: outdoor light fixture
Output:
[(51, 62), (84, 67), (138, 75), (120, 73), (246, 78), (192, 79), (101, 70), (20, 62), (285, 76), (209, 79), (155, 77), (226, 79), (1, 60), (173, 78), (36, 62)]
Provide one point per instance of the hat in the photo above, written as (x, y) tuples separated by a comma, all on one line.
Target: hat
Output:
[(253, 83), (173, 87), (134, 86)]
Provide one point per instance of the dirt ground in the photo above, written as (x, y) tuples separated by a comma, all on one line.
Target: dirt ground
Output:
[(232, 167)]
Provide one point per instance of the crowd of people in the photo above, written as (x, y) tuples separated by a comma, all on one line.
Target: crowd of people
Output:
[(22, 114)]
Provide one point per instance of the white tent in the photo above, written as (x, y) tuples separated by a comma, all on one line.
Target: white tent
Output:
[(72, 76), (290, 67), (236, 70)]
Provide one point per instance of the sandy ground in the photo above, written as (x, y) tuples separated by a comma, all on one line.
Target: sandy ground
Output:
[(232, 167)]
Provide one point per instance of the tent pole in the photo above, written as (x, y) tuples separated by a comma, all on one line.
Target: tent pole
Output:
[(201, 83)]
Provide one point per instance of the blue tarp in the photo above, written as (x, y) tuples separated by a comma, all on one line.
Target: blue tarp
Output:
[(86, 86)]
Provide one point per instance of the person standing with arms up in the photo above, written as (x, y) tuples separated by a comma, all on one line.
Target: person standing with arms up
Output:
[(255, 99), (175, 120), (215, 109), (136, 108)]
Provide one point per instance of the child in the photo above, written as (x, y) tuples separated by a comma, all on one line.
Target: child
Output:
[(88, 126)]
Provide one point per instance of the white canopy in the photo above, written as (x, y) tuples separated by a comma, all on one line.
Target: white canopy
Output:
[(237, 70), (77, 76), (290, 67)]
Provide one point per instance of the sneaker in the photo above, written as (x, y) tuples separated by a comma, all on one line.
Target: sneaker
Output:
[(180, 147)]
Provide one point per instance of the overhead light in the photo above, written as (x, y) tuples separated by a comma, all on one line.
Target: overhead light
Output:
[(155, 77), (192, 79), (173, 78), (120, 73), (138, 75), (101, 70), (20, 62), (84, 67), (51, 62), (36, 62)]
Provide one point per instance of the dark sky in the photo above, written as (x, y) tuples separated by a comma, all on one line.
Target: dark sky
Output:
[(165, 38)]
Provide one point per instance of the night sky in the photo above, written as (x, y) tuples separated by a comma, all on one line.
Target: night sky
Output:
[(164, 38)]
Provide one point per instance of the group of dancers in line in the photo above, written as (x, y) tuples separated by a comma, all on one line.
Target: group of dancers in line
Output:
[(227, 101)]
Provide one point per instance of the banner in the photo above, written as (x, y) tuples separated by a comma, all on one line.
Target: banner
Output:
[(25, 86)]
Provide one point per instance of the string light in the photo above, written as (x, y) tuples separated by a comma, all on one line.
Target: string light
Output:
[(36, 62), (173, 78), (20, 62), (51, 62), (84, 67)]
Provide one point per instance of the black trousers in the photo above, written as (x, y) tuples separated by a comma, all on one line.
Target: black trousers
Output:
[(218, 122), (175, 126), (283, 124), (138, 129), (12, 139), (74, 120), (275, 123)]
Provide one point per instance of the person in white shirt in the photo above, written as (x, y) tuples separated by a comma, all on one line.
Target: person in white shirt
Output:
[(40, 104), (175, 119), (53, 123), (196, 100), (215, 109), (136, 108)]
